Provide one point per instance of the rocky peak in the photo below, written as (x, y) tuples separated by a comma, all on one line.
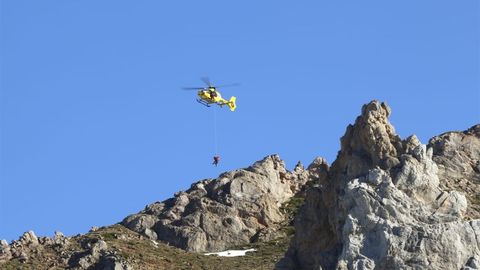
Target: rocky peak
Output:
[(238, 207), (382, 205), (370, 142)]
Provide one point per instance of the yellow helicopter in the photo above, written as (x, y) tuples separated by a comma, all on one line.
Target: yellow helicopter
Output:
[(210, 95)]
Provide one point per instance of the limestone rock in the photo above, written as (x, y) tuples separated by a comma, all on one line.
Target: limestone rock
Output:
[(112, 262), (84, 253), (457, 155), (5, 253), (97, 256), (60, 240), (29, 238), (383, 206), (28, 243), (236, 208), (370, 142)]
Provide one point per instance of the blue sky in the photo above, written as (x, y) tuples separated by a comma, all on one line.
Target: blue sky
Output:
[(94, 125)]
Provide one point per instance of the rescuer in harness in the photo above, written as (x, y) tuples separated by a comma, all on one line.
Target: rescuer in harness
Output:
[(216, 159)]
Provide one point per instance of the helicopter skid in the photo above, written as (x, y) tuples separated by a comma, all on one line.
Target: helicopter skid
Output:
[(203, 102)]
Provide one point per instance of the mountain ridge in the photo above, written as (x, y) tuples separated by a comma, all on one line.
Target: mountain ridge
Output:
[(384, 203)]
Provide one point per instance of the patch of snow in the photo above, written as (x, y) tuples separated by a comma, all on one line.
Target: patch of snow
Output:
[(231, 253), (155, 244)]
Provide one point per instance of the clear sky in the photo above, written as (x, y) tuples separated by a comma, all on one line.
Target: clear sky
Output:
[(94, 124)]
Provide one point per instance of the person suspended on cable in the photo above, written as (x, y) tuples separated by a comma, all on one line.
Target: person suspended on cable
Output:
[(216, 159)]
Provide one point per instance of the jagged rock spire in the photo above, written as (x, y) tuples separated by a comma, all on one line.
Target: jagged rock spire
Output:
[(382, 206), (370, 142)]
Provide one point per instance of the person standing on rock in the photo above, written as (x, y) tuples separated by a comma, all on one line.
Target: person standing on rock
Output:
[(216, 159)]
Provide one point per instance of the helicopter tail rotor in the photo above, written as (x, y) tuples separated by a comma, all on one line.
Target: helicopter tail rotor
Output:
[(232, 103)]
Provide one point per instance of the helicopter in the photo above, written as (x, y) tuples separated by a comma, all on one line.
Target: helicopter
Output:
[(210, 95)]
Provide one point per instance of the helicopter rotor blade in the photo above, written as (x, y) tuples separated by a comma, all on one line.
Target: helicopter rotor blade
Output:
[(228, 85), (206, 80), (192, 88)]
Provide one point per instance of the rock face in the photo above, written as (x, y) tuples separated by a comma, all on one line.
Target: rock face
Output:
[(238, 207), (457, 155), (382, 204)]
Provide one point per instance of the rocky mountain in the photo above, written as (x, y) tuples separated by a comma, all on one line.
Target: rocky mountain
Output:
[(239, 207), (243, 207), (385, 203)]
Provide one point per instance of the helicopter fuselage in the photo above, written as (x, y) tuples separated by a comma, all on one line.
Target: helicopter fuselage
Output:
[(210, 95)]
